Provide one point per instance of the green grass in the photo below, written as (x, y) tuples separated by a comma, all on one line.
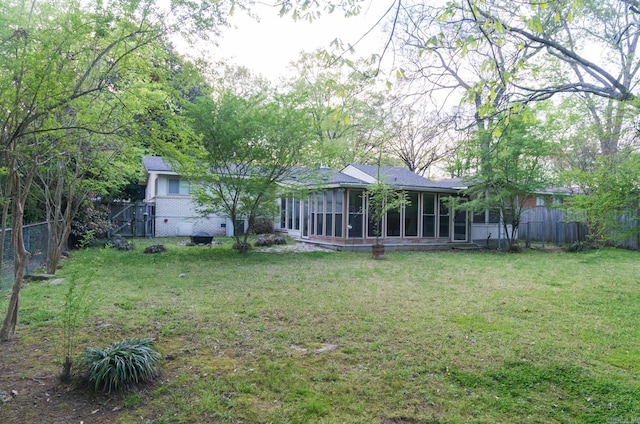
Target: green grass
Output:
[(447, 337)]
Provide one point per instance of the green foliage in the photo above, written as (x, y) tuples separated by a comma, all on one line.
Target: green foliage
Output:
[(76, 306), (90, 224), (77, 82), (347, 110), (121, 365), (382, 197), (610, 197), (249, 145), (505, 167)]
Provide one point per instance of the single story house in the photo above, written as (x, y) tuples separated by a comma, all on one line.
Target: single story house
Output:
[(330, 209), (175, 213)]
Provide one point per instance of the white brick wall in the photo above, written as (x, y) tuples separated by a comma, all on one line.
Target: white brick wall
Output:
[(176, 216)]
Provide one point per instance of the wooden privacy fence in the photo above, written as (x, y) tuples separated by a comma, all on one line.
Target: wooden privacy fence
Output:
[(549, 226), (132, 219)]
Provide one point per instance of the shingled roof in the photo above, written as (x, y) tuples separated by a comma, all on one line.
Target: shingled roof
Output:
[(402, 177), (394, 175), (155, 163)]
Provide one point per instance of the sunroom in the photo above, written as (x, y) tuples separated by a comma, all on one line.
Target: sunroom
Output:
[(336, 213)]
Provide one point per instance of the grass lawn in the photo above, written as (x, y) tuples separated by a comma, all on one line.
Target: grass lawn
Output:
[(336, 337)]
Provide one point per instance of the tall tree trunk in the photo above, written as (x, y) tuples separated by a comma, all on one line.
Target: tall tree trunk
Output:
[(20, 262), (61, 209), (19, 186), (57, 244), (3, 228)]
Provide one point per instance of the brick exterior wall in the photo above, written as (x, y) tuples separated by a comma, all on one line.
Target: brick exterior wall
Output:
[(176, 216)]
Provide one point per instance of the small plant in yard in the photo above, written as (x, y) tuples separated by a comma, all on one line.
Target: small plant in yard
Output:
[(76, 305), (382, 197), (122, 364)]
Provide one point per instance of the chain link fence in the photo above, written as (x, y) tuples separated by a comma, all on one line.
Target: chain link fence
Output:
[(36, 239)]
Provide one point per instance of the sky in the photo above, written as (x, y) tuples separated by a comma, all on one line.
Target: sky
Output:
[(269, 46)]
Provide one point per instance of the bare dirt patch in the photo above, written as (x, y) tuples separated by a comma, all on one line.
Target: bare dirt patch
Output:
[(34, 394)]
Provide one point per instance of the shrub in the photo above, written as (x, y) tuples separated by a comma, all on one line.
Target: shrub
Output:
[(121, 365), (579, 246), (242, 247), (120, 243), (269, 240), (514, 248), (156, 248), (262, 227), (90, 224)]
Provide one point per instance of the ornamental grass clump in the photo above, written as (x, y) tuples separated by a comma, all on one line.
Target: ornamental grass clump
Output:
[(121, 365)]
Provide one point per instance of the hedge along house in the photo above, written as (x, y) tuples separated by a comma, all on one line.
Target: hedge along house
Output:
[(175, 213), (333, 212)]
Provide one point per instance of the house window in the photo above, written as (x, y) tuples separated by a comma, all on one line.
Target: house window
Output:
[(296, 214), (428, 215), (305, 218), (487, 216), (393, 223), (319, 213), (283, 213), (289, 213), (411, 216), (338, 216), (178, 187), (329, 215), (356, 215), (443, 218), (480, 217), (494, 216)]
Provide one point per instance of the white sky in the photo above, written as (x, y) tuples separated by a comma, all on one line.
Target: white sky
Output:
[(269, 46)]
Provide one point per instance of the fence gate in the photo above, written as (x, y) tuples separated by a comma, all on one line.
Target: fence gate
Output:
[(132, 219)]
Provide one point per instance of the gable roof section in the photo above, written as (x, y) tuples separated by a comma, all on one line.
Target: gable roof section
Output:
[(156, 164), (401, 177), (321, 176)]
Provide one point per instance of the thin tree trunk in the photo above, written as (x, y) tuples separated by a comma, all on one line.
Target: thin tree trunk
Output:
[(20, 261), (3, 229), (19, 186)]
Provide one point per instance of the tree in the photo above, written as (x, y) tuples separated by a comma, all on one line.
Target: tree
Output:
[(508, 172), (67, 59), (346, 110), (609, 193), (445, 58), (419, 138), (562, 35), (91, 166), (382, 197), (249, 146)]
